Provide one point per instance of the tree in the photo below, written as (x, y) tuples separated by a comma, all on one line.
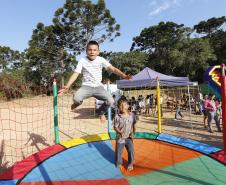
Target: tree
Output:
[(172, 51), (214, 30), (196, 53), (45, 57), (218, 43), (78, 21), (210, 26), (161, 42), (9, 58), (12, 63), (160, 37)]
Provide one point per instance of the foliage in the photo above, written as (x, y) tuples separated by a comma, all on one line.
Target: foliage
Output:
[(80, 21), (9, 59), (52, 48), (210, 26), (45, 60), (10, 87), (218, 43), (173, 51), (167, 47), (213, 29), (163, 43), (195, 54), (160, 37)]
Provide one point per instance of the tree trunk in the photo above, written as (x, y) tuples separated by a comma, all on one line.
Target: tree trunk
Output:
[(62, 66)]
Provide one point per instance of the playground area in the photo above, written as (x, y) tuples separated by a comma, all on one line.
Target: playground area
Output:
[(85, 153), (44, 142), (92, 95)]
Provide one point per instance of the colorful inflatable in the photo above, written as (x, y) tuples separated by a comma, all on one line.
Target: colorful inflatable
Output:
[(212, 78)]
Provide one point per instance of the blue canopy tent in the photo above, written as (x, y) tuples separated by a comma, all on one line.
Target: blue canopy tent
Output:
[(148, 78)]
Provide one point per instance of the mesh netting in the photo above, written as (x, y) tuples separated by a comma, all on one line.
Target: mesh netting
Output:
[(27, 124), (27, 118), (190, 125)]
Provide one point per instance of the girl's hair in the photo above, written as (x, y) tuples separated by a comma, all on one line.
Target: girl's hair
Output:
[(122, 100)]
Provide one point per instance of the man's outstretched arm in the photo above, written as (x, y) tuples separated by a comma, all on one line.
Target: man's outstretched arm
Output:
[(119, 73), (71, 80)]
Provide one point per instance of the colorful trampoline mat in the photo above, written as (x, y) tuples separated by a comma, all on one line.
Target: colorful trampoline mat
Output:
[(159, 159)]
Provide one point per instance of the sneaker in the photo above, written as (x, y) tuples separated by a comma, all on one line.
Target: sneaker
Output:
[(210, 131), (73, 106), (129, 168)]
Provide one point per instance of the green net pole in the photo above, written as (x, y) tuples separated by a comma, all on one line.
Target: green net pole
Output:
[(55, 109)]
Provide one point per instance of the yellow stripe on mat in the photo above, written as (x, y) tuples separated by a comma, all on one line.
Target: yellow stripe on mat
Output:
[(85, 139)]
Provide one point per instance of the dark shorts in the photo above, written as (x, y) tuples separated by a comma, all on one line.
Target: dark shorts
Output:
[(205, 112)]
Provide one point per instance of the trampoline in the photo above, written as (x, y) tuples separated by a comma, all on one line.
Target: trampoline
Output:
[(159, 159)]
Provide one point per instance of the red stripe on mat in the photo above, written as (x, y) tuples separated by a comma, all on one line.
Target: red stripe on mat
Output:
[(23, 167), (220, 156), (81, 182)]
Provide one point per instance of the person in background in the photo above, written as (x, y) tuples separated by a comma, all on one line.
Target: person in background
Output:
[(147, 105), (161, 104), (210, 107), (218, 114), (178, 110), (141, 104), (199, 103), (205, 112)]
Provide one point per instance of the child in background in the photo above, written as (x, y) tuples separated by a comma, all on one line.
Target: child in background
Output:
[(205, 112), (178, 112), (124, 125), (218, 114)]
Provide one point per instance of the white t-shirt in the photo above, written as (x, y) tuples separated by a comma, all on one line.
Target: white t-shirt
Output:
[(92, 70)]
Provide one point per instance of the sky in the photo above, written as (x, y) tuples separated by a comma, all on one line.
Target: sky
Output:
[(18, 18)]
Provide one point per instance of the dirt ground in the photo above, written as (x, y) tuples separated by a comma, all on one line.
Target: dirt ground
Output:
[(27, 126)]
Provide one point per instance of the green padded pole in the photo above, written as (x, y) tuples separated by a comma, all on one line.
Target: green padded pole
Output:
[(55, 109)]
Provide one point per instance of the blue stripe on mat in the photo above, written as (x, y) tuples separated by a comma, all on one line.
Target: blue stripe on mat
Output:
[(8, 182), (90, 161), (194, 145)]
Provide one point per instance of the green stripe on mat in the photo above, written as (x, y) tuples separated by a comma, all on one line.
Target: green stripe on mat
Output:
[(138, 135), (202, 170)]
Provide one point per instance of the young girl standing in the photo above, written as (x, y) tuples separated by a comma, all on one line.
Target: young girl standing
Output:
[(124, 125)]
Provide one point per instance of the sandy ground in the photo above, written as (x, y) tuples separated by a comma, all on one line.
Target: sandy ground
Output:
[(27, 126)]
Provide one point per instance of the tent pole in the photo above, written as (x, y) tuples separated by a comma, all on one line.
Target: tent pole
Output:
[(158, 106), (189, 105)]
